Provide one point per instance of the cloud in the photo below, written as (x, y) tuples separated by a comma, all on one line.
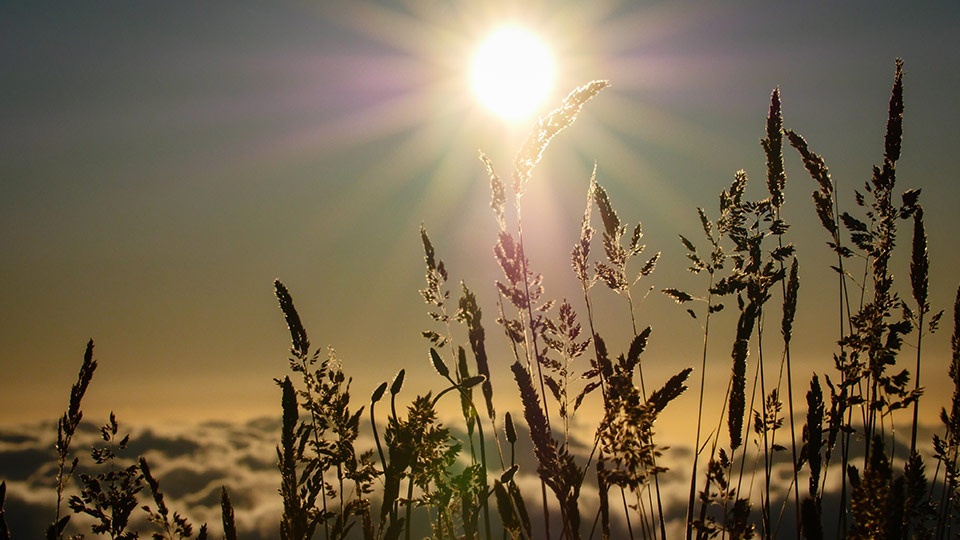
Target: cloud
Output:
[(182, 481), (13, 438), (22, 464), (170, 446), (194, 463)]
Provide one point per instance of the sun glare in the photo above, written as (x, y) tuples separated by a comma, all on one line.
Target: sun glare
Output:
[(512, 73)]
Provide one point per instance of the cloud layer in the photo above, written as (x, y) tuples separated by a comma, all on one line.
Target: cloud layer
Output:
[(194, 463)]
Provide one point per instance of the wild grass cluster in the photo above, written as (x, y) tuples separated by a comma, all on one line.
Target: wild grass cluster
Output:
[(421, 477)]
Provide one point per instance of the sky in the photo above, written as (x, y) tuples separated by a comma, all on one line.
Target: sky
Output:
[(163, 163)]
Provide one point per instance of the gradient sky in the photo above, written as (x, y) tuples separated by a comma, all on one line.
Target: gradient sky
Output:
[(161, 163)]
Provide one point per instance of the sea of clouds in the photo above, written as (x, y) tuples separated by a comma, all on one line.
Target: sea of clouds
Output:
[(194, 463)]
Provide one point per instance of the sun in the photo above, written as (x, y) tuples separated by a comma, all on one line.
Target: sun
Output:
[(512, 73)]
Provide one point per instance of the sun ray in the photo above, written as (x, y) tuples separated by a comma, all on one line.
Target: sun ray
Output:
[(416, 72)]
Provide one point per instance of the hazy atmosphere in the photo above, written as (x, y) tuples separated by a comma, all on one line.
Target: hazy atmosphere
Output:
[(162, 163)]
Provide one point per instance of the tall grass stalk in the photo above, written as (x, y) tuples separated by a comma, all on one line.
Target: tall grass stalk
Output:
[(947, 448), (613, 272), (711, 265), (66, 428), (776, 184), (827, 209), (4, 530), (523, 289), (919, 281)]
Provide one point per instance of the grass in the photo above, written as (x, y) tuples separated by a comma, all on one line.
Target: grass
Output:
[(464, 481)]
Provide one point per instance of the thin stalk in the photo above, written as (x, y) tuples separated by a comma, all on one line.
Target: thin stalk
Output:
[(793, 440), (503, 316), (656, 477), (623, 496), (603, 510), (767, 442), (933, 483), (593, 528), (395, 388), (376, 435), (308, 380), (483, 468), (696, 447), (536, 352), (483, 462), (743, 458), (844, 300), (916, 404), (713, 446), (790, 411), (340, 492), (946, 498), (644, 519), (409, 512), (530, 317), (323, 498), (604, 506)]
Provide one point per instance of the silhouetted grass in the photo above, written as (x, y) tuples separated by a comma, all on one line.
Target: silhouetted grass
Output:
[(463, 480)]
